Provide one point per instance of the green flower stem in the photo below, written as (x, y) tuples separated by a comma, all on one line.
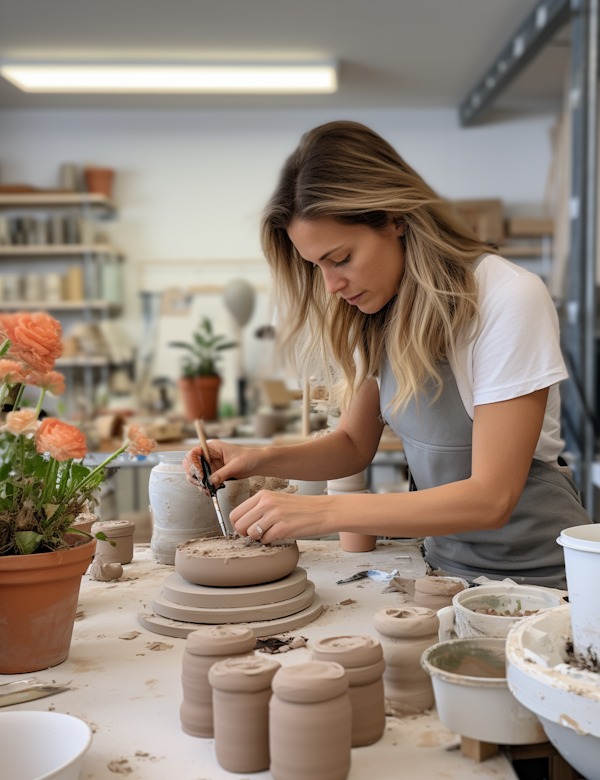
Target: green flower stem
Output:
[(5, 347), (48, 484), (39, 406), (96, 471), (18, 398)]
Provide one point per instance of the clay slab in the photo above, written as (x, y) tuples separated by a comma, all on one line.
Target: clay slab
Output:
[(160, 625), (167, 609), (180, 591)]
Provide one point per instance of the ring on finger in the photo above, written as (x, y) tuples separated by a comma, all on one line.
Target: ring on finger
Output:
[(259, 530)]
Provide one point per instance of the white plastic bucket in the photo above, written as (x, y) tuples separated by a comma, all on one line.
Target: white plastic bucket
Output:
[(581, 545)]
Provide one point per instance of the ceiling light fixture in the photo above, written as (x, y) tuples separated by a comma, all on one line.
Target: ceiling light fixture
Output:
[(205, 78)]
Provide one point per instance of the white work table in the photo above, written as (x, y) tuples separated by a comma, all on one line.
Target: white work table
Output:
[(129, 690)]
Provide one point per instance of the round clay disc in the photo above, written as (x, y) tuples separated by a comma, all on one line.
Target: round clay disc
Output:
[(166, 627), (180, 591), (167, 609)]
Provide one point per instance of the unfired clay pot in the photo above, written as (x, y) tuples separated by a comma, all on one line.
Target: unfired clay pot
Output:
[(350, 541), (310, 722), (203, 648), (235, 562), (119, 531), (436, 592), (241, 694), (406, 634), (362, 658)]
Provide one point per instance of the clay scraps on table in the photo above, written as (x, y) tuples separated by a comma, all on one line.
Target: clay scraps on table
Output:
[(273, 644), (506, 613)]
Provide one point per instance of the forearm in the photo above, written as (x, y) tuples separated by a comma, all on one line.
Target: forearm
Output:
[(331, 456)]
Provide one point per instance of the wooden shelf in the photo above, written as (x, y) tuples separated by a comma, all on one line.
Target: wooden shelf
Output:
[(57, 200), (57, 306), (58, 250), (74, 362)]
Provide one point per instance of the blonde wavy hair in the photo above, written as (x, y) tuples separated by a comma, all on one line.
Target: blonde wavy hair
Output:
[(345, 171)]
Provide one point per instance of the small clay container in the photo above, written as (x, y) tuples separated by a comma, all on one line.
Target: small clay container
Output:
[(118, 531), (405, 635), (310, 722), (355, 483), (436, 592), (241, 695), (203, 648), (362, 658)]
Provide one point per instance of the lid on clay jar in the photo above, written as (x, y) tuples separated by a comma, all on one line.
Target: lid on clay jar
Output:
[(220, 640), (406, 622), (349, 651), (310, 682), (439, 586), (113, 528), (248, 673)]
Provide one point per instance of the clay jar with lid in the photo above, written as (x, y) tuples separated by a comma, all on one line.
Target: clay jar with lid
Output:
[(362, 658), (118, 531), (203, 648), (405, 635), (436, 592), (310, 722), (241, 694)]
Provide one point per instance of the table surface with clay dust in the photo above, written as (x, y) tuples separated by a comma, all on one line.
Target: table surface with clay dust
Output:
[(125, 681)]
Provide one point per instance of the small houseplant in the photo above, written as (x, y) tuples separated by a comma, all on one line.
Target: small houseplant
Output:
[(44, 486), (199, 385)]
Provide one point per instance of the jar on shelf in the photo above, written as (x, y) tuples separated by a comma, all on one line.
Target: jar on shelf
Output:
[(241, 691), (118, 531), (362, 658), (310, 722), (203, 648)]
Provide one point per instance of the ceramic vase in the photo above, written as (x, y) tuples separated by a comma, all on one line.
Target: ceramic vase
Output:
[(203, 648), (310, 722), (362, 658), (241, 695), (405, 635), (118, 531), (99, 180)]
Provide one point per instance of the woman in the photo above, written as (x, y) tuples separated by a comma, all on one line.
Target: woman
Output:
[(409, 318)]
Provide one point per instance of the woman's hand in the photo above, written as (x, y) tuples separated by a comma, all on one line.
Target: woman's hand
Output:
[(226, 461), (268, 516)]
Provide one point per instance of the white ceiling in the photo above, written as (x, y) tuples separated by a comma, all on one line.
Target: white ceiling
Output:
[(392, 53)]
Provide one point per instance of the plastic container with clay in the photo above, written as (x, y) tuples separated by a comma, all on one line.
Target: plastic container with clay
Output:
[(406, 632), (310, 722), (203, 648), (118, 531), (362, 658), (241, 694)]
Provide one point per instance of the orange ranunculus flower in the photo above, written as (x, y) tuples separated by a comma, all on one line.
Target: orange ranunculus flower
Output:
[(61, 440), (36, 340), (23, 422), (8, 323), (53, 382), (139, 444), (12, 372)]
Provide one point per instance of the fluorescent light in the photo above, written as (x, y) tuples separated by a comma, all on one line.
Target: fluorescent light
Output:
[(258, 79)]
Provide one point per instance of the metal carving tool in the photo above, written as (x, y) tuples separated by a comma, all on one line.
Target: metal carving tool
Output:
[(206, 472), (30, 694)]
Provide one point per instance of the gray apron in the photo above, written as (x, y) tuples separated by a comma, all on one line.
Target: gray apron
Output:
[(437, 441)]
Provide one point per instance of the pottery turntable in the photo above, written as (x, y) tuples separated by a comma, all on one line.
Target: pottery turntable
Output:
[(233, 580)]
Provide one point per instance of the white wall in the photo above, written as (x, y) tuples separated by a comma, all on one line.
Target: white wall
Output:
[(191, 184)]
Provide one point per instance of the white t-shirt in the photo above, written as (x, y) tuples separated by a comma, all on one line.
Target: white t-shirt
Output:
[(516, 350)]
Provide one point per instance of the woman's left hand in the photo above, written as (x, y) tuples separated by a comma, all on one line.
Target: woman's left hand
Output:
[(268, 516)]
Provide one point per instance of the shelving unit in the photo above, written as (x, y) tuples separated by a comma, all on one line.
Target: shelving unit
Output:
[(42, 200), (52, 251)]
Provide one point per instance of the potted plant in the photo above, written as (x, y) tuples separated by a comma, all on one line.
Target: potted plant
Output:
[(199, 385), (44, 486)]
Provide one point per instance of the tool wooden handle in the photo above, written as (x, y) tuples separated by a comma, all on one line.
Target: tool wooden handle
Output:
[(202, 437)]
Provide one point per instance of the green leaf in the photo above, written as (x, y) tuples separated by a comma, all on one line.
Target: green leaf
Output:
[(27, 541), (4, 471), (40, 466), (229, 345), (207, 325), (104, 538), (78, 473), (180, 345)]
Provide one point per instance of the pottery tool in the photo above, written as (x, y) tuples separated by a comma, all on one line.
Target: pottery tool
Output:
[(206, 472), (30, 693), (374, 574)]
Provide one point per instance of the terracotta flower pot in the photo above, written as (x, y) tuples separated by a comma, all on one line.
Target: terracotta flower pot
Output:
[(99, 180), (38, 601), (208, 390)]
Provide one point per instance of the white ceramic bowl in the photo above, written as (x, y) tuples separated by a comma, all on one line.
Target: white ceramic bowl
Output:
[(42, 745), (476, 706)]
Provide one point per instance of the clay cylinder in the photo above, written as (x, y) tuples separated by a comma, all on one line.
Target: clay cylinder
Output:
[(406, 633), (241, 694), (362, 658), (436, 592), (120, 532), (310, 722), (203, 648)]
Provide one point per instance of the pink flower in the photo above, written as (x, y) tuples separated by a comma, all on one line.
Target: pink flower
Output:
[(53, 382), (139, 444), (11, 372), (36, 339), (8, 323), (23, 422), (61, 440)]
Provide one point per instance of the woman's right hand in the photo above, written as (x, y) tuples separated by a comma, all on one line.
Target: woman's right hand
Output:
[(226, 461)]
